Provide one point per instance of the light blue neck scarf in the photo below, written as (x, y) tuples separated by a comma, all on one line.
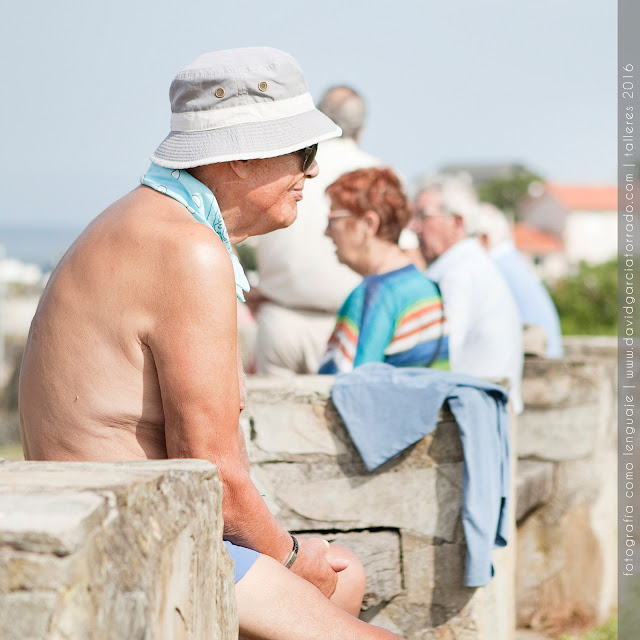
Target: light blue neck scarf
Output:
[(200, 203)]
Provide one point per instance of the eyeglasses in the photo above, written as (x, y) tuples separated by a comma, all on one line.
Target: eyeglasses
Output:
[(308, 155), (423, 214), (339, 213)]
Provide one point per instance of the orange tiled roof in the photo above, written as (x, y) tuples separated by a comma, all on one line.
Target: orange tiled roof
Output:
[(584, 198), (531, 240)]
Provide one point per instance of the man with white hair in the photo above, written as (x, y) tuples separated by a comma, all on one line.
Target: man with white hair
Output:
[(302, 284), (485, 334), (133, 353), (534, 302)]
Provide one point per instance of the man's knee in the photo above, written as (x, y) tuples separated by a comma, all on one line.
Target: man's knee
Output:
[(351, 582), (355, 568)]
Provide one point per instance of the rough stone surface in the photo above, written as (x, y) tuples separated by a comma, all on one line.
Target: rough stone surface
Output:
[(567, 559), (380, 553), (113, 550), (25, 615), (403, 520), (347, 503), (535, 485), (580, 347), (534, 340), (296, 420), (568, 409)]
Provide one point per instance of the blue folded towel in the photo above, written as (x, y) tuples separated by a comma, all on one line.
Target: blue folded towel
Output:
[(386, 409)]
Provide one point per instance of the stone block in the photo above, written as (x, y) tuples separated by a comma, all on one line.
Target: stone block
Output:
[(416, 622), (289, 427), (287, 421), (115, 550), (403, 520), (379, 552), (534, 341), (43, 523), (560, 434), (566, 567), (555, 384), (581, 347), (423, 500), (26, 615), (428, 566), (534, 486), (567, 561)]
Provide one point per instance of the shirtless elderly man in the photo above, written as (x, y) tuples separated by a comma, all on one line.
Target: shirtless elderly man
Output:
[(133, 350)]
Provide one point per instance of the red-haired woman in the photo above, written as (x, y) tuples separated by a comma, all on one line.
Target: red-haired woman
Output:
[(395, 314)]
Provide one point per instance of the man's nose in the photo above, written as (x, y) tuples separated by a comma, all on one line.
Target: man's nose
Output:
[(313, 170)]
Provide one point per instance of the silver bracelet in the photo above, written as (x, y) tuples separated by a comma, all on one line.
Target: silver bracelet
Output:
[(294, 553)]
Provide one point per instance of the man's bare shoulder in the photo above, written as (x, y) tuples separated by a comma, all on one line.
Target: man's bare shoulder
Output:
[(164, 234), (185, 257)]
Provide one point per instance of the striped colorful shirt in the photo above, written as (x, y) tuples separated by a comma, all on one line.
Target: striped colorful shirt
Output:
[(395, 317)]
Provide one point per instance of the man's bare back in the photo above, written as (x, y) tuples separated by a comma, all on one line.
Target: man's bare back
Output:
[(89, 387)]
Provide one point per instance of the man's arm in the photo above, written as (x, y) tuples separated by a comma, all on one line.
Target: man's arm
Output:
[(193, 339)]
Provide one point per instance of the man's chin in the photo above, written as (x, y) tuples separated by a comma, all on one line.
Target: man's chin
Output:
[(289, 219)]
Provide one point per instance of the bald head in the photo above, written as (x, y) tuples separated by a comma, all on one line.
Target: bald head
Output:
[(346, 108)]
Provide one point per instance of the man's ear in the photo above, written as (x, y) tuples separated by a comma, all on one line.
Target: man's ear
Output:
[(459, 220), (241, 168), (373, 221)]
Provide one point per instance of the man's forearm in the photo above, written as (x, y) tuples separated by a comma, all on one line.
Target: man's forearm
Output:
[(248, 521)]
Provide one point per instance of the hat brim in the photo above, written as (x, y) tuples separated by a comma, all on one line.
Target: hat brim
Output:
[(267, 139)]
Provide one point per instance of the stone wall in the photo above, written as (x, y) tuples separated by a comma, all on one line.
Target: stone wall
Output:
[(114, 551), (567, 536), (128, 551), (403, 520)]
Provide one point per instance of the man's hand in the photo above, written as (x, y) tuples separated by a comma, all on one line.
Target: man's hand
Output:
[(316, 565)]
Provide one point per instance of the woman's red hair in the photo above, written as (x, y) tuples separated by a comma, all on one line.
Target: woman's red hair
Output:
[(375, 189)]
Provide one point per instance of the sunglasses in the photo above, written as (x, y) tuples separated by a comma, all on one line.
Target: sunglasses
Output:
[(308, 155)]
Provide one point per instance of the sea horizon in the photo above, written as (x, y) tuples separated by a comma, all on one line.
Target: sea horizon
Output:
[(41, 245)]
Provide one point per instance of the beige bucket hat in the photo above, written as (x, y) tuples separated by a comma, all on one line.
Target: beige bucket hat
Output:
[(240, 104)]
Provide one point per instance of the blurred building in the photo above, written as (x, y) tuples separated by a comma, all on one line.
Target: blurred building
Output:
[(482, 172), (567, 223), (544, 251)]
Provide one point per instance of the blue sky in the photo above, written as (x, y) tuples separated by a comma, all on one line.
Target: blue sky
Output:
[(85, 86)]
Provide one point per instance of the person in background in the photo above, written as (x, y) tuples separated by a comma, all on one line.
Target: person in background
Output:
[(534, 302), (301, 283), (485, 332), (395, 314)]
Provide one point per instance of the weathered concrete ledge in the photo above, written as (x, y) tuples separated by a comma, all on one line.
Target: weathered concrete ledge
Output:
[(403, 520), (122, 550)]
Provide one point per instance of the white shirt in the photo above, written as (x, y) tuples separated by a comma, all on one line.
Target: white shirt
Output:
[(298, 267), (485, 333)]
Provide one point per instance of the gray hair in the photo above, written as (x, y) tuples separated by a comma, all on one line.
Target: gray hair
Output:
[(346, 108), (494, 224), (457, 196)]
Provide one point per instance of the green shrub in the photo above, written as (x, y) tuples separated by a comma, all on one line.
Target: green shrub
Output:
[(247, 256), (609, 631), (587, 302)]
